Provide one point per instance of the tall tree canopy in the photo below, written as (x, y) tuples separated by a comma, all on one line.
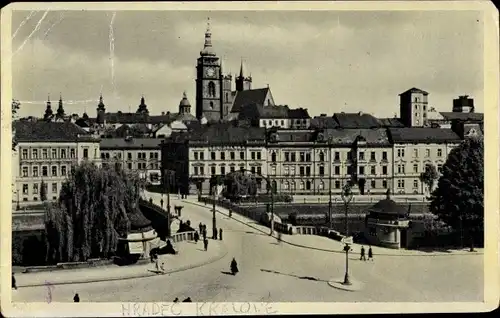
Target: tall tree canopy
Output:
[(239, 184), (458, 199), (94, 209), (429, 176)]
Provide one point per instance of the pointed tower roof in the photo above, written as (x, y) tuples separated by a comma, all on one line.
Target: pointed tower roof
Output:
[(242, 69), (101, 105), (207, 47), (60, 109), (184, 100), (48, 110), (143, 108)]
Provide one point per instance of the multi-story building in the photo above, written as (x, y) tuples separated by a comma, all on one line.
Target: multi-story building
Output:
[(133, 154), (45, 152), (275, 116), (413, 149)]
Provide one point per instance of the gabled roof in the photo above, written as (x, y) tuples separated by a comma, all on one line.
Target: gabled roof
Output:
[(298, 113), (356, 120), (345, 137), (132, 143), (39, 131), (125, 118), (252, 96), (477, 117), (414, 90), (419, 134)]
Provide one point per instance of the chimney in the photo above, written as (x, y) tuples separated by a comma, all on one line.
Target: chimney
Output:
[(322, 115), (163, 113)]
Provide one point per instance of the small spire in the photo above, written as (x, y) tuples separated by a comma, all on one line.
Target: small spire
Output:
[(60, 96), (241, 68), (184, 96), (207, 47), (48, 98)]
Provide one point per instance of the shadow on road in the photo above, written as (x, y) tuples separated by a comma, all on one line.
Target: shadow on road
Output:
[(200, 249), (227, 273), (293, 275)]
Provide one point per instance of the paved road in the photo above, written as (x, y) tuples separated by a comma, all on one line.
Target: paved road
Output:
[(281, 272)]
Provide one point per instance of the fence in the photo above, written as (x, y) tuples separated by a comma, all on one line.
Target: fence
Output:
[(183, 236)]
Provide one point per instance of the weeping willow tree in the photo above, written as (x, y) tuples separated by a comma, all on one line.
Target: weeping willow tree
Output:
[(94, 209)]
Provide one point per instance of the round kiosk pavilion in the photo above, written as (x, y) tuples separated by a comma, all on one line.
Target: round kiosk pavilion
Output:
[(386, 224), (141, 238)]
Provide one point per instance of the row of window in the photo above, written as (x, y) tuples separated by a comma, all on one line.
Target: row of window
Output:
[(306, 156), (140, 165), (321, 185), (140, 155), (44, 172), (200, 171), (55, 153), (254, 155), (401, 183), (37, 186), (401, 168), (401, 152)]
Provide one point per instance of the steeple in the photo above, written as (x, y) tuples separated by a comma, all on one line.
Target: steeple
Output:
[(48, 111), (243, 83), (101, 105), (143, 108), (184, 105), (207, 47), (60, 110)]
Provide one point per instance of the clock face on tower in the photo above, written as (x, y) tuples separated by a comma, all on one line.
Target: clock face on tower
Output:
[(210, 71)]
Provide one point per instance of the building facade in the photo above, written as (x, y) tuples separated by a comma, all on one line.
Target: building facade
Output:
[(45, 152)]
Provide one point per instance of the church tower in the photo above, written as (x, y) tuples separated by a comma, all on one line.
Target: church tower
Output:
[(48, 111), (208, 82), (101, 111), (184, 105), (243, 83)]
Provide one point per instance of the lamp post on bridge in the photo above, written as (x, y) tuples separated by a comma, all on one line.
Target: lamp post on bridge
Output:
[(168, 176), (346, 196)]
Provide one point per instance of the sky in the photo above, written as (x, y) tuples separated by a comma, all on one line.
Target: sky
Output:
[(325, 61)]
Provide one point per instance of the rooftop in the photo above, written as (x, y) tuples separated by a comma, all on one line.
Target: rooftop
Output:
[(252, 96), (132, 143), (423, 135), (477, 117), (40, 131), (356, 120)]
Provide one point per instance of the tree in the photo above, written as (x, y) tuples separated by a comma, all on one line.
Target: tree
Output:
[(16, 105), (240, 184), (458, 199), (94, 209), (429, 176), (43, 191)]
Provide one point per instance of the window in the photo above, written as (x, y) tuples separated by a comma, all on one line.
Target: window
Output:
[(427, 152), (129, 166), (202, 171), (25, 189), (195, 155), (212, 155), (231, 155), (440, 168), (301, 171), (321, 156), (292, 170), (401, 183), (25, 171), (384, 170), (308, 185), (287, 156), (361, 155), (259, 170), (35, 171), (231, 169), (54, 187), (259, 155), (54, 171), (384, 184), (85, 153), (301, 185), (285, 170), (440, 153), (151, 155), (372, 184), (63, 153), (321, 171), (252, 155), (415, 168), (129, 155), (361, 170), (202, 156), (45, 153), (308, 157), (242, 155), (252, 169), (222, 170), (415, 183), (401, 168), (337, 184), (273, 170), (54, 153), (293, 157), (195, 171), (222, 156), (401, 152), (25, 153), (35, 188), (45, 171), (337, 170), (212, 170), (273, 157), (302, 157), (337, 156), (211, 89), (415, 153), (308, 171), (384, 155), (373, 171), (282, 122), (372, 156), (34, 153)]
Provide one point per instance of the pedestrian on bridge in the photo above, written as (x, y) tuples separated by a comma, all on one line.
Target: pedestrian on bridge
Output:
[(205, 244), (220, 234), (362, 254), (370, 253), (196, 236), (14, 282), (76, 299), (200, 226), (204, 233), (214, 233), (161, 203)]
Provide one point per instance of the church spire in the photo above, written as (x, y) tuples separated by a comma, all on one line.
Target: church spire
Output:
[(242, 70), (184, 105), (207, 47), (48, 110), (143, 108), (60, 110)]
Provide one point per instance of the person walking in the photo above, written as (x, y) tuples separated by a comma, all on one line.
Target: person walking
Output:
[(370, 253), (151, 200), (157, 265), (230, 213), (196, 237), (161, 203), (200, 226), (76, 299), (362, 254), (220, 234), (205, 244), (14, 285), (204, 233)]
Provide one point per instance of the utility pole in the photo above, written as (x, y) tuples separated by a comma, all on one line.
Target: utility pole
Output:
[(214, 221)]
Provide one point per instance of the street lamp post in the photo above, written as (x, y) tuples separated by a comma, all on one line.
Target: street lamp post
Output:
[(330, 203), (214, 221), (168, 175), (18, 206), (346, 197), (272, 205)]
